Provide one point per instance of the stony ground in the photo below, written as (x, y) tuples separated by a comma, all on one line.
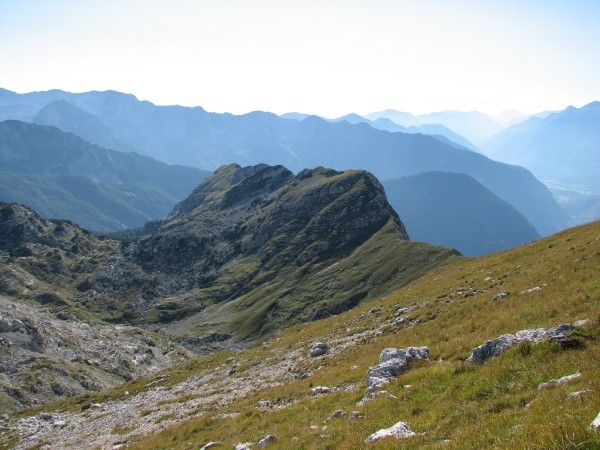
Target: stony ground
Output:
[(114, 423)]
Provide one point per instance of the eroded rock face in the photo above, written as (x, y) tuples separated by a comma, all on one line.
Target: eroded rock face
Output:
[(494, 347)]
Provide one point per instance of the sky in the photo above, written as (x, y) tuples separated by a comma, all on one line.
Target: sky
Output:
[(326, 57)]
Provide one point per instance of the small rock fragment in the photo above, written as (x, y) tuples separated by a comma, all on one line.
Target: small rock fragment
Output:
[(210, 444), (533, 289), (319, 390), (582, 323), (578, 394), (355, 415), (501, 295), (398, 431), (373, 395), (318, 349), (266, 440), (559, 381), (337, 414), (595, 425), (243, 446)]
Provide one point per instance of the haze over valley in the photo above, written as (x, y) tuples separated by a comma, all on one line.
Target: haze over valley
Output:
[(311, 225)]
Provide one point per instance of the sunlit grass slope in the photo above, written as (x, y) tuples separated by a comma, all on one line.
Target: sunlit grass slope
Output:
[(455, 404), (451, 403)]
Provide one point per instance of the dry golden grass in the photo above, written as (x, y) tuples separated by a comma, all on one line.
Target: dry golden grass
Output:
[(457, 405)]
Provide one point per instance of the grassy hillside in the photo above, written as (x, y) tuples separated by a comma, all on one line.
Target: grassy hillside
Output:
[(456, 405)]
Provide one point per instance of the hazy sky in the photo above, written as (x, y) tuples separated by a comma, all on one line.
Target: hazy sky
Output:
[(328, 57)]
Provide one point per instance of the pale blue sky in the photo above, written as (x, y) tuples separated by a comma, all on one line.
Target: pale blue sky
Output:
[(328, 57)]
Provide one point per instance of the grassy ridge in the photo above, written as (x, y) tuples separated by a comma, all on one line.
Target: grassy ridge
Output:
[(494, 405)]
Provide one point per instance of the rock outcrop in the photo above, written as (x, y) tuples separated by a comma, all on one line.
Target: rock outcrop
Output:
[(318, 349), (398, 431), (559, 381), (494, 347), (392, 362)]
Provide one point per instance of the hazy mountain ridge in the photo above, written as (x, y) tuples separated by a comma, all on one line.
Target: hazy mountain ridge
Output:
[(563, 149), (455, 210), (64, 176), (209, 140), (70, 118), (473, 125), (432, 129)]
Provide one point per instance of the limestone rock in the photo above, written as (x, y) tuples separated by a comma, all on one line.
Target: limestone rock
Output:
[(337, 414), (501, 295), (243, 446), (494, 347), (319, 390), (266, 440), (318, 349), (559, 381), (393, 362), (578, 394), (373, 395), (595, 425), (398, 431)]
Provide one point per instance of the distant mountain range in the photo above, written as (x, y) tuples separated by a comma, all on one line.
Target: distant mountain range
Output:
[(192, 136), (436, 130), (473, 125), (63, 176), (563, 149), (454, 210)]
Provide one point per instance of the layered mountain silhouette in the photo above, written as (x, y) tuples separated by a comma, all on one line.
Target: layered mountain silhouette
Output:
[(192, 136), (63, 176), (563, 149), (473, 125), (433, 129), (455, 210)]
